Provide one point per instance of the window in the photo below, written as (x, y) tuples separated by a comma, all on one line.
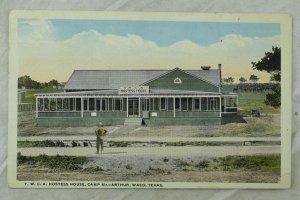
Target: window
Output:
[(91, 104), (103, 104), (40, 104), (177, 81), (231, 102), (156, 104), (190, 104), (59, 105), (72, 102), (109, 104), (196, 104), (78, 104), (170, 104), (162, 103), (213, 104), (204, 103), (98, 104), (65, 104), (52, 104), (184, 104), (152, 104), (177, 103), (145, 104), (46, 104), (118, 104), (85, 104)]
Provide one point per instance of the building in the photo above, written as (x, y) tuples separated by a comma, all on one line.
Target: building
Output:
[(149, 97), (22, 106)]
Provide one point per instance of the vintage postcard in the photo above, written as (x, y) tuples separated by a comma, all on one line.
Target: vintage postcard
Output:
[(149, 100)]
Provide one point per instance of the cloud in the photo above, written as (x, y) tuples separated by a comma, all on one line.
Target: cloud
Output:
[(44, 58), (35, 29)]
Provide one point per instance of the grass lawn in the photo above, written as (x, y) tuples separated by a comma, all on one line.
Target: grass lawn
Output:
[(255, 101), (30, 98)]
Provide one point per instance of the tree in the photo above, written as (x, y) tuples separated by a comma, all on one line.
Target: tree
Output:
[(253, 78), (228, 80), (53, 83), (26, 81), (242, 80), (271, 63)]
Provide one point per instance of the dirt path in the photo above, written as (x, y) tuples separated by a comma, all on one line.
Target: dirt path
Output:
[(152, 139), (185, 151)]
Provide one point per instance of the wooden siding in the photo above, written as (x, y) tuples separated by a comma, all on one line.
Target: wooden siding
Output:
[(189, 82)]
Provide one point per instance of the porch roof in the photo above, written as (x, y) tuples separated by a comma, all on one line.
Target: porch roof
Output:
[(103, 93)]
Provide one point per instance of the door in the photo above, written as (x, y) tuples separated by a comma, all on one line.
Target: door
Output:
[(213, 104), (133, 107)]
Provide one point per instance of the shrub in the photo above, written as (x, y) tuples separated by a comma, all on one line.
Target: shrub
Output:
[(59, 143), (202, 164), (85, 143), (253, 163), (93, 169), (128, 166), (157, 170), (53, 162), (181, 163), (74, 144)]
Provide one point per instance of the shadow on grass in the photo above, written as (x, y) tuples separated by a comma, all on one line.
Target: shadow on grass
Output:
[(232, 118)]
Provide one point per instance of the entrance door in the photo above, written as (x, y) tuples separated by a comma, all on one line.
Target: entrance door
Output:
[(133, 107)]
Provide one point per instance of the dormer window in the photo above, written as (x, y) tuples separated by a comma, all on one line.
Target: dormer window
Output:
[(177, 81)]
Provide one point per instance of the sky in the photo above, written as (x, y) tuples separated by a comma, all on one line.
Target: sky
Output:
[(52, 49)]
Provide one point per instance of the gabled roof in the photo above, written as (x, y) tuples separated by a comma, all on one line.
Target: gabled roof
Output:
[(193, 73), (114, 79)]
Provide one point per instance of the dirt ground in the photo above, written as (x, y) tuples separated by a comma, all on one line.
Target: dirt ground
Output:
[(236, 176), (150, 167)]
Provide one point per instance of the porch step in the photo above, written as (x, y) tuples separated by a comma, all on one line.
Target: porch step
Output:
[(133, 122)]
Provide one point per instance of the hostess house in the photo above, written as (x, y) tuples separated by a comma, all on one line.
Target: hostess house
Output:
[(138, 97)]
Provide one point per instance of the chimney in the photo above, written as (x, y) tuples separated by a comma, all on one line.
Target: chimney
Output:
[(205, 67), (220, 69)]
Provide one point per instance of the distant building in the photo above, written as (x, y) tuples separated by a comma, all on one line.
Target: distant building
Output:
[(151, 97), (22, 106)]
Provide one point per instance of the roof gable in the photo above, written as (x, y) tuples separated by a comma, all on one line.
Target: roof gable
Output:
[(188, 81)]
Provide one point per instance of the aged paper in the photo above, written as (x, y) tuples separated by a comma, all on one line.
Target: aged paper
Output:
[(168, 100)]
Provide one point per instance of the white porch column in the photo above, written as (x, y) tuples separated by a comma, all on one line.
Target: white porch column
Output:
[(200, 104), (127, 107), (237, 101), (81, 107), (220, 99), (153, 104), (139, 106), (174, 111), (43, 104), (36, 107), (225, 103)]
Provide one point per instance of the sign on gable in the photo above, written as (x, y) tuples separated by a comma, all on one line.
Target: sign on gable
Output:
[(134, 90)]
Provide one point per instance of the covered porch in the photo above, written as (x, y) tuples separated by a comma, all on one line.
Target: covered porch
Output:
[(115, 108)]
